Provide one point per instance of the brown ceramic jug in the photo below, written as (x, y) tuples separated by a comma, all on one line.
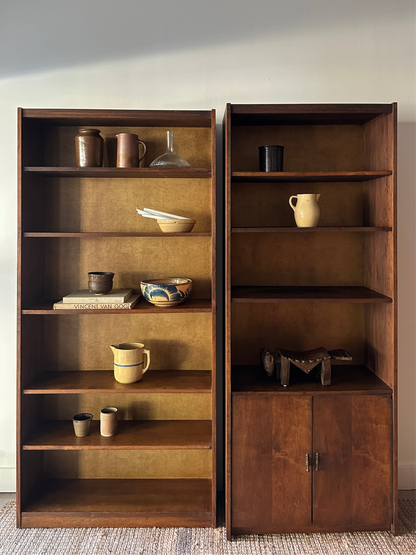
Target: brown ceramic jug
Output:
[(89, 147), (128, 150)]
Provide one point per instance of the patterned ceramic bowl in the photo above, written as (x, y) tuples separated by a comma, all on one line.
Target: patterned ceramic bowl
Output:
[(166, 292)]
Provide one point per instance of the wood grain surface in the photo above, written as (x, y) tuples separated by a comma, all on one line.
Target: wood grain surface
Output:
[(352, 436), (270, 482), (131, 435)]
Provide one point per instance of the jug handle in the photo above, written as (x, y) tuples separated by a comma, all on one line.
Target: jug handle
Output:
[(144, 149), (147, 353), (291, 202)]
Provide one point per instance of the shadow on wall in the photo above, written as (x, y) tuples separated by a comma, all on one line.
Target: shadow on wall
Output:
[(47, 34)]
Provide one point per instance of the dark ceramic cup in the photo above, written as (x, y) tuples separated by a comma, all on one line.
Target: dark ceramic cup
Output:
[(271, 158), (100, 283)]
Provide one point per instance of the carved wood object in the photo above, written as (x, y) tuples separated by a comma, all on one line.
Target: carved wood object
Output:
[(305, 360)]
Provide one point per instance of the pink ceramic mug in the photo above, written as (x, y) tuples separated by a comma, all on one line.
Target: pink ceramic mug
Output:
[(128, 155)]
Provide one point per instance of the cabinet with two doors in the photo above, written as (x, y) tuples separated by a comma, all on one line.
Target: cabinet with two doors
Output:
[(311, 463)]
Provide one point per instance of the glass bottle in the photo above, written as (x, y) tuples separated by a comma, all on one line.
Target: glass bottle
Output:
[(170, 159)]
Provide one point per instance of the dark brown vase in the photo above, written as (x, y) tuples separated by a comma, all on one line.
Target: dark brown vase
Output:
[(89, 147)]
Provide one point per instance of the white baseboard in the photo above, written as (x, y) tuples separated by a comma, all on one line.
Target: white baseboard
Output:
[(407, 476), (7, 480)]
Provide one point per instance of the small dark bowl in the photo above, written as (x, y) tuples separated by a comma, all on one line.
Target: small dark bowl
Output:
[(100, 283)]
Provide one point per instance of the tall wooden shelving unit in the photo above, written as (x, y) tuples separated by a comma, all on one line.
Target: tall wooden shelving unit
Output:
[(310, 458), (160, 468)]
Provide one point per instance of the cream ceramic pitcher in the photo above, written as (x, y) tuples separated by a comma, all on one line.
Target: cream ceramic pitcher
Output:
[(306, 209), (129, 362)]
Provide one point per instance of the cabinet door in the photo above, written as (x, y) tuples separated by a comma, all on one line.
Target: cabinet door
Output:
[(271, 487), (352, 488)]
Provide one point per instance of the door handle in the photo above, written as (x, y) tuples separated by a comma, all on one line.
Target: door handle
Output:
[(307, 462), (317, 462)]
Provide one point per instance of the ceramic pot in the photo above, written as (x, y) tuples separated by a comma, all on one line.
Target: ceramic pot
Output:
[(108, 421), (128, 155), (100, 283), (271, 158), (82, 424), (306, 209), (89, 148)]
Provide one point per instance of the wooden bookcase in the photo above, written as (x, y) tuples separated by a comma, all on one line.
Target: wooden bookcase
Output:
[(160, 470), (300, 288)]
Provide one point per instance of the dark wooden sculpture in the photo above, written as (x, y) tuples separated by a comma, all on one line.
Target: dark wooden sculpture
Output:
[(281, 360)]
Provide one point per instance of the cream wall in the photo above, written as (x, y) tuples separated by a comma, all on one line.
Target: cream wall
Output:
[(200, 55)]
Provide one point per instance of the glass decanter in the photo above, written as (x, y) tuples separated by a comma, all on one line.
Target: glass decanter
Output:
[(170, 159)]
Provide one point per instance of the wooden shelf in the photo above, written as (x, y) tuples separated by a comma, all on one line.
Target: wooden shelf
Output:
[(106, 234), (102, 381), (136, 173), (346, 379), (120, 502), (190, 305), (307, 177), (318, 229), (306, 114), (338, 286), (131, 435), (120, 118), (354, 294), (59, 206)]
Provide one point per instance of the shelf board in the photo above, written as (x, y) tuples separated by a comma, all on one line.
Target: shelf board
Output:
[(120, 502), (121, 118), (101, 234), (131, 435), (293, 229), (307, 177), (306, 114), (353, 294), (142, 307), (138, 173), (346, 379), (102, 381)]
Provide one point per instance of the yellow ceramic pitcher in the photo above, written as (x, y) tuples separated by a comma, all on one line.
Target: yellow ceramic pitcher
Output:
[(306, 209), (129, 362)]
